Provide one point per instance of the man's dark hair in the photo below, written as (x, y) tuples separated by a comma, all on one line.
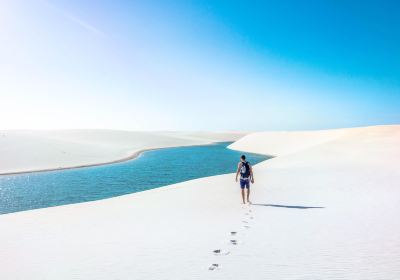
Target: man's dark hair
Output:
[(243, 157)]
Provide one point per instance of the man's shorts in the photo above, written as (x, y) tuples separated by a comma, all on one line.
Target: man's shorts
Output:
[(244, 183)]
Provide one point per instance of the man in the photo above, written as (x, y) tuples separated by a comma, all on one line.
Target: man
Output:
[(246, 175)]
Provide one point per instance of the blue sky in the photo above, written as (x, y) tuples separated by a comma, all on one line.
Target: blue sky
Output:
[(199, 65)]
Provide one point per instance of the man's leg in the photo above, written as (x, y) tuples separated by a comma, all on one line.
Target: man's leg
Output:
[(248, 194), (244, 201)]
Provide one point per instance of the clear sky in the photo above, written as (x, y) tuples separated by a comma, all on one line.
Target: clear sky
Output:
[(199, 65)]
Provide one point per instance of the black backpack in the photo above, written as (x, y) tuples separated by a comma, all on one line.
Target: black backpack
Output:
[(245, 170)]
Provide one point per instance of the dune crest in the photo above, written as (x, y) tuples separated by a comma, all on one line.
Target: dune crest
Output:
[(38, 150), (325, 207)]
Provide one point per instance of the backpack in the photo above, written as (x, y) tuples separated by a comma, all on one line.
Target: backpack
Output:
[(245, 170)]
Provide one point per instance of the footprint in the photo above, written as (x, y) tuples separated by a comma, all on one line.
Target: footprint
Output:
[(213, 266), (252, 218), (247, 227), (246, 222), (233, 242), (233, 232), (247, 214), (220, 252)]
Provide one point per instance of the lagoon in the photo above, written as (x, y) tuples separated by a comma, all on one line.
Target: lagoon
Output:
[(152, 169)]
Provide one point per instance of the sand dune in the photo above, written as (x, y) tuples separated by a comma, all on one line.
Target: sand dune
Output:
[(27, 150), (325, 207)]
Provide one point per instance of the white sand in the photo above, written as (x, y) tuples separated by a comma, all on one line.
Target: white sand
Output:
[(170, 232), (27, 150)]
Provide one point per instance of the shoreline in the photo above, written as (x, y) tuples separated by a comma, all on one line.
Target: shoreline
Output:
[(220, 144), (133, 156), (299, 201)]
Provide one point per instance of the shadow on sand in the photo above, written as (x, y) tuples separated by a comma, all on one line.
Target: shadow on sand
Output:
[(288, 206)]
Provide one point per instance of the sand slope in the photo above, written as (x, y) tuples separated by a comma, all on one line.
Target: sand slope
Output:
[(326, 210), (27, 150)]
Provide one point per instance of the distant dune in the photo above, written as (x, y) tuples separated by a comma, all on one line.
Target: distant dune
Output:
[(326, 207), (29, 150)]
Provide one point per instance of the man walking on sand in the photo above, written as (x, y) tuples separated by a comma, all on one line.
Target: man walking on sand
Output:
[(246, 175)]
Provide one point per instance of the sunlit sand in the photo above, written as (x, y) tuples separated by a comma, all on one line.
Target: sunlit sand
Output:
[(324, 208)]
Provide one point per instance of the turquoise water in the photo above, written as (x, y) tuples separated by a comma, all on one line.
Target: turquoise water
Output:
[(151, 170)]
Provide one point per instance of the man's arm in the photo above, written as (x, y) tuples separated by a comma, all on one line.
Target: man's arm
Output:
[(251, 174), (238, 171)]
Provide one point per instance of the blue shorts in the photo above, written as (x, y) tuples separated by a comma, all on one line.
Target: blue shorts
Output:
[(245, 183)]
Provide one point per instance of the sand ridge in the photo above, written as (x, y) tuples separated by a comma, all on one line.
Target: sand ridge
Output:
[(41, 150), (326, 210)]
